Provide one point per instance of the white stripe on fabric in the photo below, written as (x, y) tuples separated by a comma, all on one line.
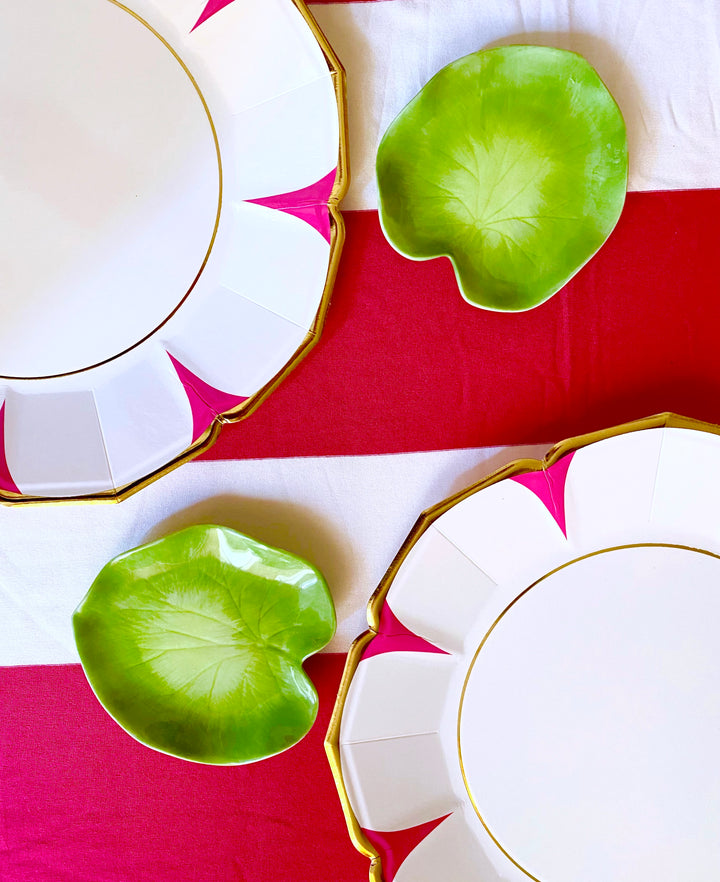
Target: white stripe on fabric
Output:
[(347, 515), (660, 60)]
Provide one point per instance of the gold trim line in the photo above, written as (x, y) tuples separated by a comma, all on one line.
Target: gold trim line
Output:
[(492, 628), (212, 238)]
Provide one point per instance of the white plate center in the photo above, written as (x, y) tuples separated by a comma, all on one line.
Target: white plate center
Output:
[(109, 184), (590, 725)]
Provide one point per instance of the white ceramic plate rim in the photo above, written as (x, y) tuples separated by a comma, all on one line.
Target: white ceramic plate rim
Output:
[(117, 425), (673, 463)]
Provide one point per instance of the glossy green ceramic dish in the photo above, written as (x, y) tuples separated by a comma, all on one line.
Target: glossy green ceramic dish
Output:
[(513, 163), (194, 644)]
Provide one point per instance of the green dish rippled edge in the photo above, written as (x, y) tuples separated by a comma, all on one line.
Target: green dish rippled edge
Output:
[(513, 163), (194, 644)]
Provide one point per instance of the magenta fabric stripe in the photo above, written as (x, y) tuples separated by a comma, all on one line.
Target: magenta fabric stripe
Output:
[(404, 363), (81, 801)]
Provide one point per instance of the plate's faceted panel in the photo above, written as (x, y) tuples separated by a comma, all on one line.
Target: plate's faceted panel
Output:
[(506, 530), (53, 444), (233, 344), (275, 52), (175, 18), (450, 852), (289, 286), (609, 490), (439, 592), (145, 417), (397, 782), (284, 144), (397, 693), (686, 503)]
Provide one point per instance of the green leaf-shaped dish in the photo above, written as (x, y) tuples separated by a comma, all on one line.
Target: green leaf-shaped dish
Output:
[(512, 162), (194, 644)]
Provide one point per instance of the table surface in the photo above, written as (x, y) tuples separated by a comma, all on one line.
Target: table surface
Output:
[(410, 395)]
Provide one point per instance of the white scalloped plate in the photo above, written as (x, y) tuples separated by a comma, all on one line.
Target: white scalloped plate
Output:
[(169, 178), (539, 694)]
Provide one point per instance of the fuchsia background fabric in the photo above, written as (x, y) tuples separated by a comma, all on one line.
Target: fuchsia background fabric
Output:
[(405, 364), (634, 333), (81, 801)]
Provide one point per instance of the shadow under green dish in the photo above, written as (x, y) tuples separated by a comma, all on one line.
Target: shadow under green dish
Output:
[(194, 644), (513, 163)]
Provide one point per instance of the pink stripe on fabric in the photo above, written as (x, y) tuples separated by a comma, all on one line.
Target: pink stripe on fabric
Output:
[(82, 801), (6, 481), (206, 402), (212, 7), (308, 204), (549, 487), (393, 636), (394, 846), (405, 364)]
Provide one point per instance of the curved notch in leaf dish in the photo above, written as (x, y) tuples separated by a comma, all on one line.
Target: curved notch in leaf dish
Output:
[(194, 644), (512, 162)]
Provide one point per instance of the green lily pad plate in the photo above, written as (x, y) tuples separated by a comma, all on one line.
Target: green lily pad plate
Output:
[(194, 644), (513, 163)]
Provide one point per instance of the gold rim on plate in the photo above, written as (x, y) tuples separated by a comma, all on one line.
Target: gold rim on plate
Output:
[(375, 604)]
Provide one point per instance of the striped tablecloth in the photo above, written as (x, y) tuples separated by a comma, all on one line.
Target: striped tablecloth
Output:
[(410, 395)]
